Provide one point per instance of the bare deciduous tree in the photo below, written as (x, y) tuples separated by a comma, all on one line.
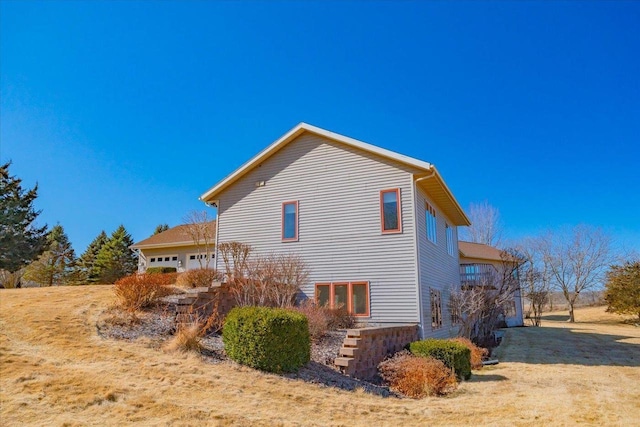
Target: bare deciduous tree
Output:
[(484, 300), (535, 278), (485, 225), (202, 230), (577, 260)]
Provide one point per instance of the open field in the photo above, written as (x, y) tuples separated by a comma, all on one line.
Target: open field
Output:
[(56, 370)]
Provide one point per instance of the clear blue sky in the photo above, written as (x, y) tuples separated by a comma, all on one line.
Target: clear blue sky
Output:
[(126, 112)]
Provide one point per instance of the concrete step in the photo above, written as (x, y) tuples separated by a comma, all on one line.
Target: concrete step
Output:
[(343, 361), (351, 342), (349, 351)]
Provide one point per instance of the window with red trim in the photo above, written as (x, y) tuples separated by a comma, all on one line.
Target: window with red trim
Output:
[(390, 216), (352, 295), (290, 221)]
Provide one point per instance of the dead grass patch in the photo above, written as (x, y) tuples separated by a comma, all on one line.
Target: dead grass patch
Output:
[(55, 370)]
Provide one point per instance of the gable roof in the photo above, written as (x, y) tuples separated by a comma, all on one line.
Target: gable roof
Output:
[(175, 236), (479, 251), (435, 187)]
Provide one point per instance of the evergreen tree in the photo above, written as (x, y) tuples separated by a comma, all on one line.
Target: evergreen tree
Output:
[(115, 259), (55, 265), (20, 240), (86, 267), (623, 289), (160, 228)]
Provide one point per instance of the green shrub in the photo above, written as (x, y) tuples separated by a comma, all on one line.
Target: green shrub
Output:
[(453, 354), (156, 270), (270, 339)]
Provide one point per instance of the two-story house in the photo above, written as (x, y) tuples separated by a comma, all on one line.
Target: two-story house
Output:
[(377, 229)]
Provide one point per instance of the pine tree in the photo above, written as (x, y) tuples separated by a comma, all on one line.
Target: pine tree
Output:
[(160, 228), (86, 263), (115, 260), (20, 240), (54, 266)]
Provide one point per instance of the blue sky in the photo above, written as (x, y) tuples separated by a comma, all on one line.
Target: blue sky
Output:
[(126, 112)]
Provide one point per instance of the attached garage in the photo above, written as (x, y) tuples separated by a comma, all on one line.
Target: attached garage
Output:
[(195, 261)]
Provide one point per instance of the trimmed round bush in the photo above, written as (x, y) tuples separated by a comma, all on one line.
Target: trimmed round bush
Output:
[(453, 354), (270, 339)]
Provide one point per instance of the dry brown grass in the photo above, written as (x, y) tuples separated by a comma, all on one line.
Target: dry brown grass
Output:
[(56, 370)]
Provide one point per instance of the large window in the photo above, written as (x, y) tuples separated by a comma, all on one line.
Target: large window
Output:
[(450, 242), (352, 295), (390, 211), (431, 222), (290, 221), (436, 309)]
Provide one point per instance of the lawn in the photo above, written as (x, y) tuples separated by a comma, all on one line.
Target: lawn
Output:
[(56, 370)]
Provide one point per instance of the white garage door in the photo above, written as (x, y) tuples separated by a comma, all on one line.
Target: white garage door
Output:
[(193, 261), (163, 261)]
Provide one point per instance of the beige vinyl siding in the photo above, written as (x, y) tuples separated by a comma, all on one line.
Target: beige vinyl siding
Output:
[(339, 236), (181, 251), (438, 269)]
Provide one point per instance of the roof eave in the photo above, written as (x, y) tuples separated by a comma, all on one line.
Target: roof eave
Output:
[(162, 245), (211, 194)]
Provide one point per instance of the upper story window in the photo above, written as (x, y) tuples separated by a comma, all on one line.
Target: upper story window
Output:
[(290, 221), (390, 217), (450, 242), (431, 222)]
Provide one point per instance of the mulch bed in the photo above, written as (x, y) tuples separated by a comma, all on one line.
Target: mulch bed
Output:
[(159, 325)]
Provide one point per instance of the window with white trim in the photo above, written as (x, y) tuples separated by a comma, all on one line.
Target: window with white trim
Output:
[(436, 309), (430, 219), (450, 242)]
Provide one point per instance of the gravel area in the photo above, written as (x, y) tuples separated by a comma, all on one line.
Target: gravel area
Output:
[(159, 325)]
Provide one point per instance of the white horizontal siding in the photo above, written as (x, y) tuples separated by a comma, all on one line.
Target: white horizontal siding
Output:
[(338, 193), (438, 269)]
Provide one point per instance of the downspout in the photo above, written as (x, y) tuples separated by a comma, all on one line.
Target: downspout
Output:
[(215, 248), (415, 210)]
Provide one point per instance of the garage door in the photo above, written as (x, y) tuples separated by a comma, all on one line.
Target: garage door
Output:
[(163, 261), (193, 261)]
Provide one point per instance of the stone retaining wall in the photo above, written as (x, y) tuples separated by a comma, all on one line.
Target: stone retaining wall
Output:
[(202, 302), (363, 349)]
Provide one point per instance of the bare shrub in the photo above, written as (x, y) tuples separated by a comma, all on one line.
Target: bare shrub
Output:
[(192, 327), (186, 338), (262, 280), (291, 272), (477, 353), (197, 278), (417, 377), (340, 318), (140, 291), (10, 280), (317, 317)]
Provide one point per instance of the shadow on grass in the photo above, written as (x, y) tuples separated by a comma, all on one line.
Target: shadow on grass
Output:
[(477, 378), (556, 317), (317, 373), (570, 346)]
